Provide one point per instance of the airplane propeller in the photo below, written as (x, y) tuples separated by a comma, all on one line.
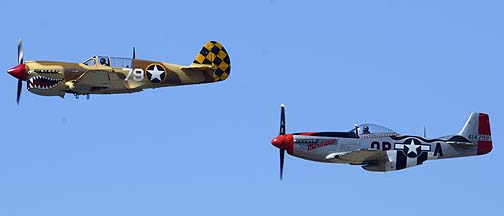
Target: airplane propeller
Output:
[(19, 71), (19, 87), (282, 132), (133, 52), (20, 52), (20, 61)]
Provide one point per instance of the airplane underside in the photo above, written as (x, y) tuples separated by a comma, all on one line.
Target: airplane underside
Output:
[(95, 90), (98, 90)]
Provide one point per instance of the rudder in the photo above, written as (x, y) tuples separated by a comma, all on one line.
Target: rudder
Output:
[(213, 53), (477, 130)]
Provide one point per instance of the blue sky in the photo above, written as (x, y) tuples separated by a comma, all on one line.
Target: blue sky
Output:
[(206, 149)]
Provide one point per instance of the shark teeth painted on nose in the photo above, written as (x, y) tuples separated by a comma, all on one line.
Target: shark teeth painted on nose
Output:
[(42, 82)]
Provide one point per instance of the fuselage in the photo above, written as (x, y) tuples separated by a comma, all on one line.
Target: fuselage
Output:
[(51, 78), (398, 151)]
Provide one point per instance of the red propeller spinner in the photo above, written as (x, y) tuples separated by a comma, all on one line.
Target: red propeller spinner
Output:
[(19, 72), (284, 142)]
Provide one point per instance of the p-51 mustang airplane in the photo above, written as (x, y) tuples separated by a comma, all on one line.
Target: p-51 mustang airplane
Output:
[(111, 75), (377, 148)]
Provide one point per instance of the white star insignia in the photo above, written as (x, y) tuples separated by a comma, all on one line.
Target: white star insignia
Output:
[(412, 147), (156, 73)]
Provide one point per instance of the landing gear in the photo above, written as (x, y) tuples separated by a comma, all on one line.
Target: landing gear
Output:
[(87, 96)]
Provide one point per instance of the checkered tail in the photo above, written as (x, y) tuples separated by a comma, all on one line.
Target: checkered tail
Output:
[(213, 53)]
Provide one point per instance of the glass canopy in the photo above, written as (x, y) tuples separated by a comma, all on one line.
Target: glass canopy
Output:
[(373, 129)]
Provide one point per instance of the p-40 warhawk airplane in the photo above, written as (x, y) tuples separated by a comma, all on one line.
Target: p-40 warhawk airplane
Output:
[(378, 148), (112, 75)]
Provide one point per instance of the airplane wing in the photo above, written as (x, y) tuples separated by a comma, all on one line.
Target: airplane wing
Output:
[(362, 156), (99, 80)]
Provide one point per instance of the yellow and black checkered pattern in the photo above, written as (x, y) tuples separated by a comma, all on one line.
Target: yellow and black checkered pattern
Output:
[(213, 53)]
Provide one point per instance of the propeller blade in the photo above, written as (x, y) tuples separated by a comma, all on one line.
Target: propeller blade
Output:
[(282, 132), (20, 52), (282, 120), (134, 53), (20, 85), (282, 154)]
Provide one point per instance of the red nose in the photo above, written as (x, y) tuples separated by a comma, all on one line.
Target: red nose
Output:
[(285, 142), (278, 142), (19, 72)]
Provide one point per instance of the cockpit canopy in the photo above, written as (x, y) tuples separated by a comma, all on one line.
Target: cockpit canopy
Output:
[(373, 129), (114, 62)]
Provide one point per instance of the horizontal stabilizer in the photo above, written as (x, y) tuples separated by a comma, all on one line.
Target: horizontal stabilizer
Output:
[(468, 144), (199, 66)]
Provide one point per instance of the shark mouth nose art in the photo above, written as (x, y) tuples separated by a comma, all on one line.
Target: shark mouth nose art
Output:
[(42, 82)]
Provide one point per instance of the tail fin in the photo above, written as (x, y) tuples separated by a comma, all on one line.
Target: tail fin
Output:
[(214, 54), (477, 130)]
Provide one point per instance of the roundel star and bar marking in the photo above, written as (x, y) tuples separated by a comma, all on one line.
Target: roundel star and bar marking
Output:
[(412, 147), (155, 72)]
